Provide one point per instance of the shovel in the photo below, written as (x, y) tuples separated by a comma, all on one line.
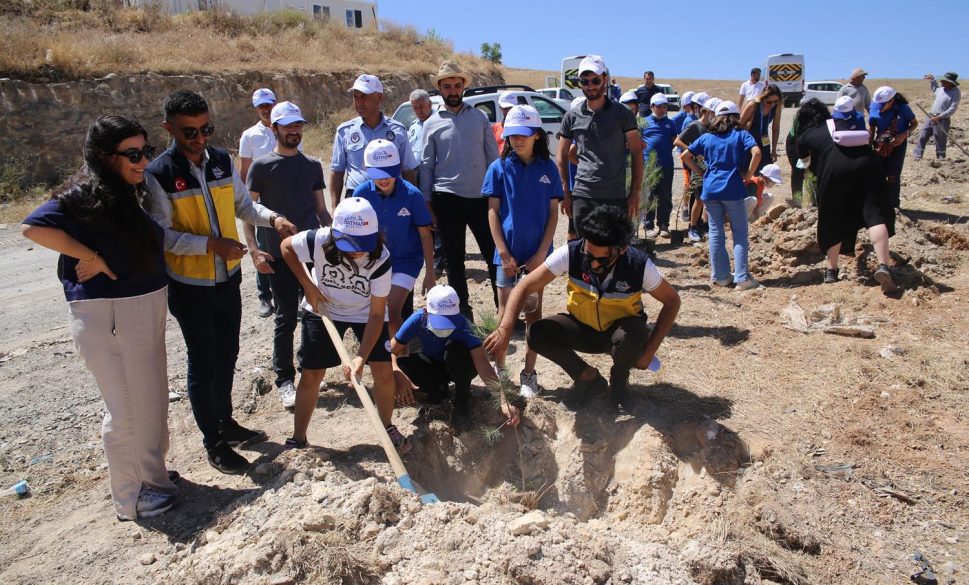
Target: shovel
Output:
[(403, 478)]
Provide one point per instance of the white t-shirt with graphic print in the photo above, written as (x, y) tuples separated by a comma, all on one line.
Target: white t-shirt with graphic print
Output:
[(347, 292)]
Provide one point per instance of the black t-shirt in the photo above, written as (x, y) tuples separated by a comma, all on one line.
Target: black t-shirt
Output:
[(285, 185), (644, 94)]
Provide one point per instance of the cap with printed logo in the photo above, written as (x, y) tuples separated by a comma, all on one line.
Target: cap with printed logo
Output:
[(521, 121), (701, 98), (658, 99), (629, 96), (285, 113), (687, 98), (711, 103), (593, 64), (355, 225), (772, 172), (843, 107), (382, 159), (726, 108), (443, 307), (263, 96), (507, 99), (367, 83), (883, 95)]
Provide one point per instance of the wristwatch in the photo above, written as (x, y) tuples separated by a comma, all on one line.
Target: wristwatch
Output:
[(273, 217)]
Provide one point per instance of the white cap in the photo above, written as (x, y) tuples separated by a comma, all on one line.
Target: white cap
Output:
[(629, 96), (701, 98), (726, 108), (507, 99), (593, 63), (367, 84), (687, 98), (355, 225), (658, 99), (883, 95), (443, 307), (711, 103), (844, 104), (576, 102), (521, 121), (382, 159), (263, 96), (772, 172), (285, 113)]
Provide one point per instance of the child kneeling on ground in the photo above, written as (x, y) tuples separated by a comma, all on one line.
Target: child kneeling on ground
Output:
[(758, 201), (350, 281)]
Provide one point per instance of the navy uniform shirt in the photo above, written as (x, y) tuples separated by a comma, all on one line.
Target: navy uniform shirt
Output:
[(352, 138)]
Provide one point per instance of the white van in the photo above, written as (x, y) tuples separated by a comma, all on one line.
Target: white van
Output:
[(826, 91), (787, 72)]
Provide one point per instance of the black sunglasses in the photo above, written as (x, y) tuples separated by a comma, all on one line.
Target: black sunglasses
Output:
[(601, 259), (593, 81), (190, 133), (134, 155)]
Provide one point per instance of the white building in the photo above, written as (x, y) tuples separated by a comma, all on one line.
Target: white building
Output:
[(353, 13)]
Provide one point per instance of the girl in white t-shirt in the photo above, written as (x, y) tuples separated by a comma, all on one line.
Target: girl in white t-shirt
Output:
[(350, 280)]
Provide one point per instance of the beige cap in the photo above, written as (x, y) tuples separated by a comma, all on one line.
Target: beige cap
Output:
[(451, 69), (857, 72)]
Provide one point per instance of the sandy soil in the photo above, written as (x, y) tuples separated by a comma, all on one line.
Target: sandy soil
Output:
[(758, 454)]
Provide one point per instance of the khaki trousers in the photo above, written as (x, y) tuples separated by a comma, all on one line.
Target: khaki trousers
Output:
[(122, 342)]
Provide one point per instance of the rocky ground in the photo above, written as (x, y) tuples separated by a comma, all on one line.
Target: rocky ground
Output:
[(768, 449)]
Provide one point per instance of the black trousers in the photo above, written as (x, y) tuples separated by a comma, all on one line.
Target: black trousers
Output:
[(432, 377), (455, 215), (560, 336), (286, 296)]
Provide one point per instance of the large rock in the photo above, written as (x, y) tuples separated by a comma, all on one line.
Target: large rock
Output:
[(528, 523)]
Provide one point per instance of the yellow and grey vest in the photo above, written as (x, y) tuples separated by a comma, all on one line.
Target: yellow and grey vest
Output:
[(600, 306), (190, 210)]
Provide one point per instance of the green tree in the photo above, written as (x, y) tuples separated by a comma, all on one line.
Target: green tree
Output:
[(491, 52)]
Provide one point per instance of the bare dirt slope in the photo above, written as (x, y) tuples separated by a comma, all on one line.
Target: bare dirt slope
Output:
[(760, 453)]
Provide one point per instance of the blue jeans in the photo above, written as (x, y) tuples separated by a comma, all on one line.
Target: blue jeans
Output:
[(719, 211)]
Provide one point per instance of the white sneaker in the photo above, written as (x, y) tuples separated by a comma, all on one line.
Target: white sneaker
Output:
[(529, 385), (153, 503), (749, 284), (287, 393)]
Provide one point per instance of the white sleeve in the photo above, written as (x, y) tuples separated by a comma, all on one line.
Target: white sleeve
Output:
[(558, 261), (380, 286), (245, 146), (651, 277), (301, 247), (743, 88)]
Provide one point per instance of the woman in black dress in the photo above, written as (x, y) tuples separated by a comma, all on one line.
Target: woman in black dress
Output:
[(852, 193)]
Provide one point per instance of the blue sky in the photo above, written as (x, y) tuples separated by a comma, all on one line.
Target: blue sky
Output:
[(897, 39)]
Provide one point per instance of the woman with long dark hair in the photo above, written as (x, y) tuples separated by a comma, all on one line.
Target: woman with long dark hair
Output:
[(732, 157), (891, 122), (112, 268), (852, 193), (762, 118)]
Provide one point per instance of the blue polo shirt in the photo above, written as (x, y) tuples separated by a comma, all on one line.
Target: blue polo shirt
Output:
[(853, 120), (351, 139), (432, 345), (399, 216), (882, 120), (658, 133), (525, 193), (727, 156), (681, 120)]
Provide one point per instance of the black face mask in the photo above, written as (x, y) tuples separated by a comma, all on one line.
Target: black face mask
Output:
[(601, 268)]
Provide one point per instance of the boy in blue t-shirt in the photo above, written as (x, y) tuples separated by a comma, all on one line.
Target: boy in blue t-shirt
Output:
[(405, 222), (658, 134), (436, 346)]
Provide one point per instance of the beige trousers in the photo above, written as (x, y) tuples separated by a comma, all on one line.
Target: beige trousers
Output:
[(122, 342)]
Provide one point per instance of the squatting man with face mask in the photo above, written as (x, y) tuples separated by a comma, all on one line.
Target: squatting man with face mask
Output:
[(607, 280)]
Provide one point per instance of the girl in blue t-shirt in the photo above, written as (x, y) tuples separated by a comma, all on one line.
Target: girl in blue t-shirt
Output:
[(524, 188), (732, 157), (892, 121)]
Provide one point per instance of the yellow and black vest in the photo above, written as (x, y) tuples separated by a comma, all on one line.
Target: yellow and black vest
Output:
[(190, 213), (597, 306)]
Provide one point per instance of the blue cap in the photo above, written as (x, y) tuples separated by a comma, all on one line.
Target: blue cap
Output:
[(842, 115), (348, 243)]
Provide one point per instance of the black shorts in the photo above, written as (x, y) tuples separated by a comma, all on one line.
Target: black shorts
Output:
[(316, 350)]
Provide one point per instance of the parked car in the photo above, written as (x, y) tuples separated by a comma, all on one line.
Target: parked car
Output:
[(486, 100), (561, 95), (826, 91)]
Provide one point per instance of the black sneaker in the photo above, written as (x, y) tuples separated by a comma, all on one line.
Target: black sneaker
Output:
[(461, 413), (885, 278), (619, 391), (223, 458), (830, 275), (239, 436), (292, 443), (265, 308), (585, 390)]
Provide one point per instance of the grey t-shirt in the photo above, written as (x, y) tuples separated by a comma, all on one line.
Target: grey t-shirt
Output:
[(859, 95), (695, 130), (285, 184), (600, 138)]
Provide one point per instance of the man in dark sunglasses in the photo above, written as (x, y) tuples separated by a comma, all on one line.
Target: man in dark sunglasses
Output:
[(603, 132), (196, 196), (607, 281)]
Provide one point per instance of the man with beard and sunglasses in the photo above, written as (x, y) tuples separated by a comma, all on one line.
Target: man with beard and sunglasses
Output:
[(607, 281), (458, 147), (604, 132), (196, 196), (292, 184)]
